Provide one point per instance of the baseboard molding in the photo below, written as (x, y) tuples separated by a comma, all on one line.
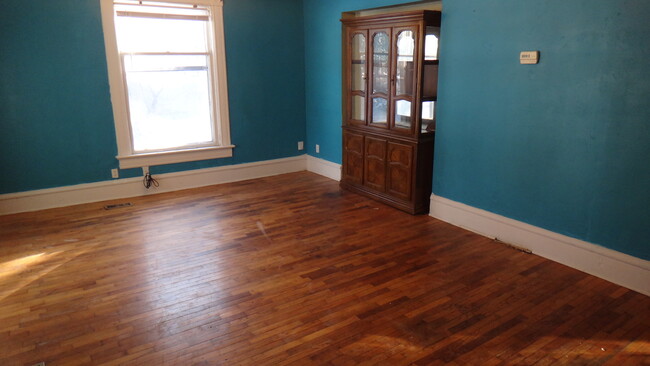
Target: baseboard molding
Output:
[(132, 187), (613, 266), (324, 168)]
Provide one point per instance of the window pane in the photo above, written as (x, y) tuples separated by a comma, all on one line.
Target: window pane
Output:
[(169, 105), (164, 62), (136, 34)]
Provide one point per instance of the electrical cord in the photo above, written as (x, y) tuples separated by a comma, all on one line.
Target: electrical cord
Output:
[(149, 181)]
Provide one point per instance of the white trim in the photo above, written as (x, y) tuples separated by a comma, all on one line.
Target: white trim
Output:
[(613, 266), (132, 187), (219, 91), (219, 52), (189, 2), (324, 168), (115, 80), (171, 157)]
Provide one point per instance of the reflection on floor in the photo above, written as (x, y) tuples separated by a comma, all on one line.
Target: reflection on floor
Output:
[(290, 269)]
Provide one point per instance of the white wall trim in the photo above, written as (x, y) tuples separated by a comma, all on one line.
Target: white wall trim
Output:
[(324, 168), (174, 156), (132, 187), (613, 266)]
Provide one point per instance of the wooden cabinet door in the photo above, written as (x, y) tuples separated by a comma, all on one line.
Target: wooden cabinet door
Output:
[(375, 164), (400, 168), (379, 85), (405, 68), (352, 157), (356, 79)]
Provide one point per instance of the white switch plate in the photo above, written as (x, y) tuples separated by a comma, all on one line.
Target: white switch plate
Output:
[(301, 145), (529, 57), (317, 149), (115, 173)]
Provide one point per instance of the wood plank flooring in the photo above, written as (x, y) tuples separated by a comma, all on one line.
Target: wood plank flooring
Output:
[(291, 270)]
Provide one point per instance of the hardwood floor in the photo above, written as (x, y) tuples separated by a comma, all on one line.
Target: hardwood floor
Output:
[(292, 270)]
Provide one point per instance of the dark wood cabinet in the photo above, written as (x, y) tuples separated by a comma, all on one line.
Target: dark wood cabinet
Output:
[(390, 77), (353, 156)]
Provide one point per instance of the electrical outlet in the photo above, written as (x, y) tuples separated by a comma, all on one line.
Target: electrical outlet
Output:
[(301, 145), (115, 173), (145, 170), (317, 149)]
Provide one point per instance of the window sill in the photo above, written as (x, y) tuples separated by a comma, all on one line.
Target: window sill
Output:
[(176, 156)]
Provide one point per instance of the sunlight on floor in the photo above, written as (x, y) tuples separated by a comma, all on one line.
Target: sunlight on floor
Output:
[(11, 267), (19, 273)]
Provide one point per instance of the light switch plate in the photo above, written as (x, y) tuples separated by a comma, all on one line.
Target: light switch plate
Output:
[(529, 57)]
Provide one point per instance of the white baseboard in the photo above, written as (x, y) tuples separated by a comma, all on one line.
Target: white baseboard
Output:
[(613, 266), (324, 168), (132, 187)]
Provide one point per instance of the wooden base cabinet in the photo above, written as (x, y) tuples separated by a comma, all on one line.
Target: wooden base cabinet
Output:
[(394, 171), (389, 95)]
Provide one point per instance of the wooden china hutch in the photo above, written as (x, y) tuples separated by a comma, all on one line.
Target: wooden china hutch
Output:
[(390, 78)]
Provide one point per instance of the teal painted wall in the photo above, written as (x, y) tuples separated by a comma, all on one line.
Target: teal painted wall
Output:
[(323, 71), (56, 121), (563, 145)]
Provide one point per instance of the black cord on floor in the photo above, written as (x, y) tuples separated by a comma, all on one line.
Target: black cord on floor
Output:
[(149, 181)]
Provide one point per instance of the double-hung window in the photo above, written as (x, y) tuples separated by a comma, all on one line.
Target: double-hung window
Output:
[(167, 73)]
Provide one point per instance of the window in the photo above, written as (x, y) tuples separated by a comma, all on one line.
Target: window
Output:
[(167, 73)]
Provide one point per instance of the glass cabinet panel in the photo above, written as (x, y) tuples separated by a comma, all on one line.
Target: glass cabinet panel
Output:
[(380, 69), (358, 107), (404, 69), (428, 116), (431, 43), (358, 67), (379, 111), (403, 114)]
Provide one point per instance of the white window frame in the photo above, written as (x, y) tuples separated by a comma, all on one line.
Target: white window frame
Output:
[(127, 157)]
